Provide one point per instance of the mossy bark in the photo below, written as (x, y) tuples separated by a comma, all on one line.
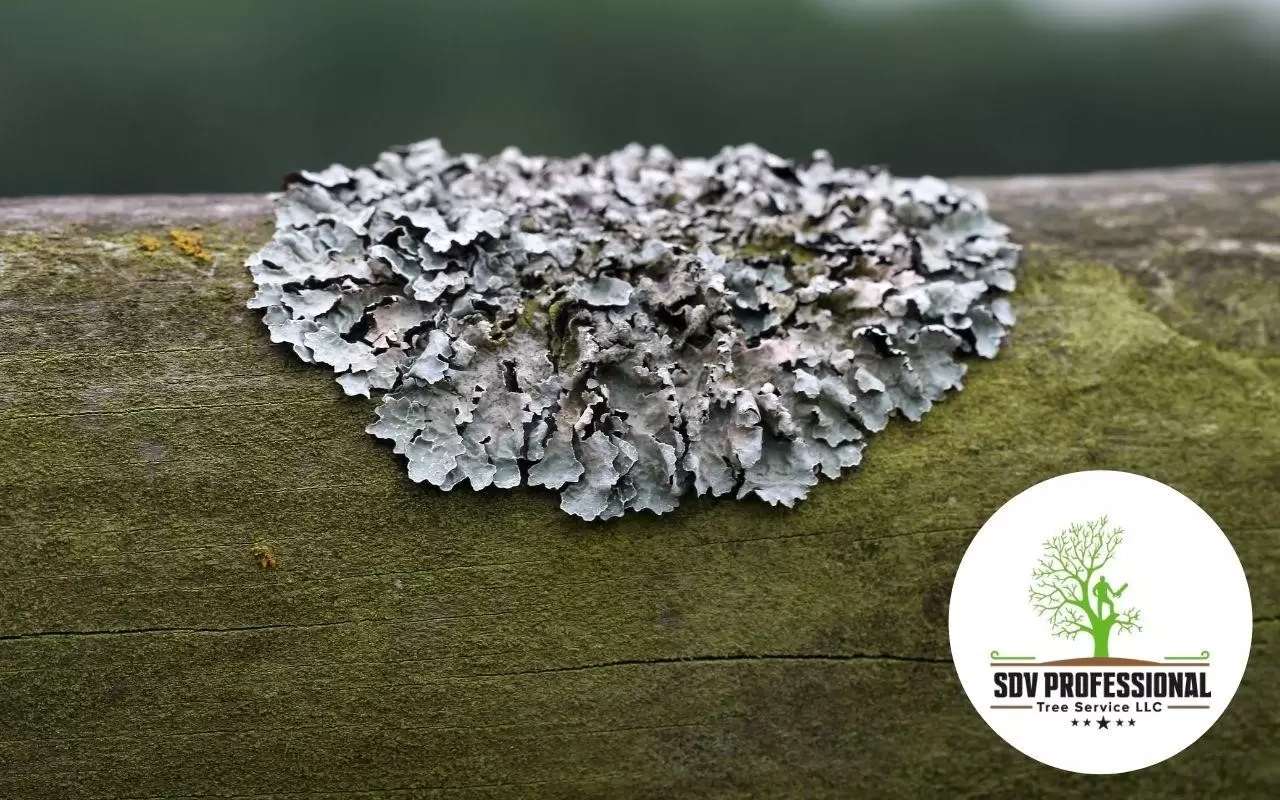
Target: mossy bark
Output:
[(413, 643)]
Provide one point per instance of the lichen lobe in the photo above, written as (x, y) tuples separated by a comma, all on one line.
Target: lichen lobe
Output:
[(629, 329)]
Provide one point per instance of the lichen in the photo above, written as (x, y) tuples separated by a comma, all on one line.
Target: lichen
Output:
[(629, 329), (265, 555), (190, 244)]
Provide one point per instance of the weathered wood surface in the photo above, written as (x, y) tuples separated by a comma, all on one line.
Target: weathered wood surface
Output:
[(414, 643)]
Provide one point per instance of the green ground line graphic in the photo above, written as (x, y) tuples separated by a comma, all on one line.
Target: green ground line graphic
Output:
[(1204, 656), (995, 656)]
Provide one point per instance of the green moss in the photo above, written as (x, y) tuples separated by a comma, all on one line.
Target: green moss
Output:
[(79, 263), (553, 312), (412, 637), (1229, 299), (774, 249), (529, 314)]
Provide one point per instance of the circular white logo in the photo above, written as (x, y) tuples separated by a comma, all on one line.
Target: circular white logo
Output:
[(1100, 622)]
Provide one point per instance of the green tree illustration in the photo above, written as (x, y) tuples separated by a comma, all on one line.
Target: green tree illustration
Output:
[(1071, 591)]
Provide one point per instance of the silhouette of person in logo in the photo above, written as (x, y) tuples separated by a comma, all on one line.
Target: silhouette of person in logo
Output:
[(1106, 595)]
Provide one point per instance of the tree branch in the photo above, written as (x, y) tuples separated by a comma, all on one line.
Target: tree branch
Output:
[(417, 638)]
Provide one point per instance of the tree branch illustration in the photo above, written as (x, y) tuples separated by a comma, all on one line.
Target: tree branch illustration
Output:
[(1064, 588)]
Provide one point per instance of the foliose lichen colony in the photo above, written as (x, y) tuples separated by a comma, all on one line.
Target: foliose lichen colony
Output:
[(628, 329)]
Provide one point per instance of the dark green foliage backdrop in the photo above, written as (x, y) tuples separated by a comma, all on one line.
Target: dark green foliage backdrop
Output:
[(226, 95)]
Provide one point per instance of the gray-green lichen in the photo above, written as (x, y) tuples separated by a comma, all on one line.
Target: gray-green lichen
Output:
[(628, 329)]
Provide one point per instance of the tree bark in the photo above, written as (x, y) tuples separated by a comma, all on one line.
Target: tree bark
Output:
[(416, 643)]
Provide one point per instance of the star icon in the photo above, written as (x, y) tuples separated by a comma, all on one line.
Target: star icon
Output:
[(1132, 722), (1075, 723), (1086, 723), (1103, 723)]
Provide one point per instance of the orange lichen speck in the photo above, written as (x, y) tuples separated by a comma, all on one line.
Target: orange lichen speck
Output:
[(190, 244)]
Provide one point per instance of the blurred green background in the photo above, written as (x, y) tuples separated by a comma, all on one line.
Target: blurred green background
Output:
[(228, 95)]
